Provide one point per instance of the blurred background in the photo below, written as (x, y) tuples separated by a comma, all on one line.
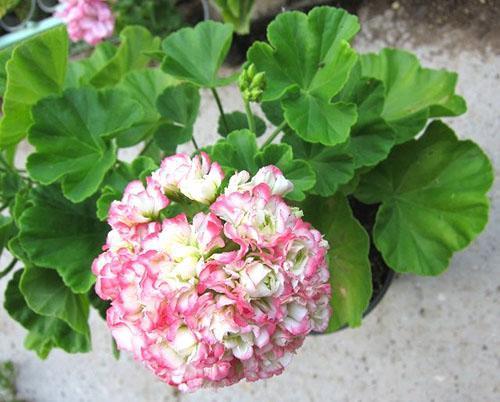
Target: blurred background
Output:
[(430, 339)]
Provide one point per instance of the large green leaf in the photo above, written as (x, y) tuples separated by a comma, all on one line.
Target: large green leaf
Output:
[(46, 294), (136, 41), (371, 137), (178, 106), (310, 56), (299, 172), (144, 86), (236, 152), (45, 332), (69, 134), (5, 55), (36, 69), (58, 234), (433, 195), (80, 72), (333, 166), (196, 54), (350, 273), (413, 93)]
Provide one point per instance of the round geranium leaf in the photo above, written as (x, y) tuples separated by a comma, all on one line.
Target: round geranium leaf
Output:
[(196, 54), (55, 233), (434, 202), (350, 273), (70, 134)]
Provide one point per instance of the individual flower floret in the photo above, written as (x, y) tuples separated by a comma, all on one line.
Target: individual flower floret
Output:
[(197, 179)]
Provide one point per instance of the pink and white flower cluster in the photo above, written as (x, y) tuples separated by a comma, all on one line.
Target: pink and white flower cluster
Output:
[(227, 295), (88, 20)]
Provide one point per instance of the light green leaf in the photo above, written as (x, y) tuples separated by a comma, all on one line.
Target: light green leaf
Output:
[(46, 294), (45, 332), (413, 93), (238, 121), (299, 172), (130, 55), (237, 13), (178, 106), (236, 152), (5, 55), (36, 69), (58, 234), (333, 166), (433, 195), (144, 86), (69, 134), (310, 55), (371, 138), (350, 272), (196, 54)]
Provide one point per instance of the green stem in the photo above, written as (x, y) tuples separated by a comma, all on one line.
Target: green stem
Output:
[(195, 144), (250, 118), (274, 134), (221, 110), (9, 268)]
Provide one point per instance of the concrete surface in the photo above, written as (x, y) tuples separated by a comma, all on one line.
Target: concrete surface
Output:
[(431, 339)]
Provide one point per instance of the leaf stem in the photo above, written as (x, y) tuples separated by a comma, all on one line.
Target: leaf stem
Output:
[(195, 144), (9, 268), (275, 133), (221, 109), (250, 118)]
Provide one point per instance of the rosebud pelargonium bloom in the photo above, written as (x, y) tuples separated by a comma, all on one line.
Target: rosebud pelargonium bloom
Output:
[(227, 294), (87, 20), (196, 178)]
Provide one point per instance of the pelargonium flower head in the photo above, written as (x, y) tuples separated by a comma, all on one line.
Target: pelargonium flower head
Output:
[(195, 178), (208, 298), (87, 20)]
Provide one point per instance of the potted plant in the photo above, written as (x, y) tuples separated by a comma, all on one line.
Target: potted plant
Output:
[(346, 136)]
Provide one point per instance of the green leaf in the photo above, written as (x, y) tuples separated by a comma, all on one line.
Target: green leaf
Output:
[(69, 134), (433, 195), (333, 166), (57, 234), (45, 332), (7, 230), (36, 69), (310, 56), (315, 120), (135, 40), (413, 93), (371, 137), (81, 71), (238, 121), (5, 55), (236, 152), (196, 54), (46, 294), (299, 172), (144, 86), (350, 272), (178, 106)]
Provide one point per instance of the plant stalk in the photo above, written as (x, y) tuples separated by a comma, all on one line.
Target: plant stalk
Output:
[(250, 118), (221, 109), (274, 134), (9, 268)]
